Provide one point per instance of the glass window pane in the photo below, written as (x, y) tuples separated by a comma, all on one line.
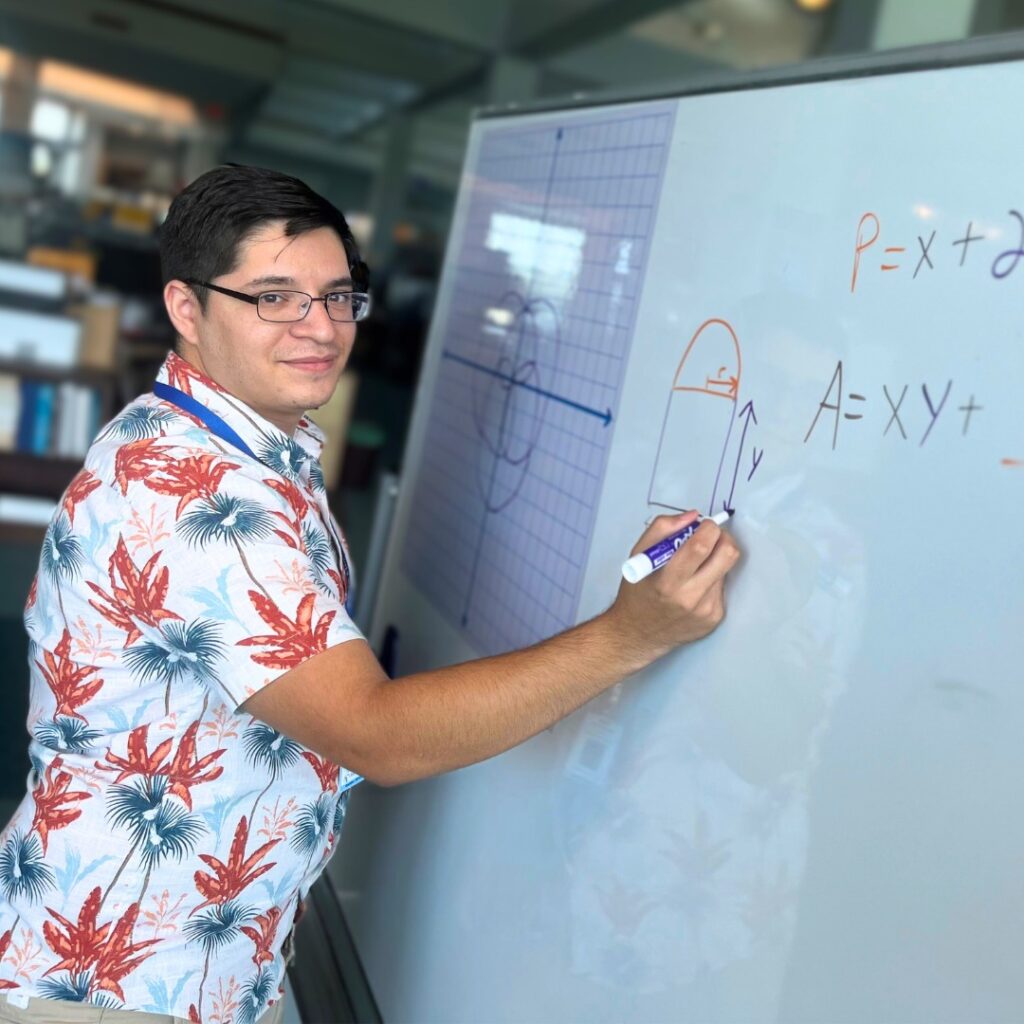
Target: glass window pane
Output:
[(50, 120), (41, 160), (79, 126)]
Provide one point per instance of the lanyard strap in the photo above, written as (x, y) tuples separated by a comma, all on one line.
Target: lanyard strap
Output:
[(217, 426), (205, 416)]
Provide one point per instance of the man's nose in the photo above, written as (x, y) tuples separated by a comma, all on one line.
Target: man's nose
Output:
[(316, 323)]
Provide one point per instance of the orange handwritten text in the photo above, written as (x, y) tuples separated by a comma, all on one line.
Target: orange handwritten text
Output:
[(863, 243)]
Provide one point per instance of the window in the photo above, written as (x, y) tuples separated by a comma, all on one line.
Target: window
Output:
[(50, 120)]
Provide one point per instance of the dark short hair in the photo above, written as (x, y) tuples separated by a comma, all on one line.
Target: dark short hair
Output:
[(208, 222)]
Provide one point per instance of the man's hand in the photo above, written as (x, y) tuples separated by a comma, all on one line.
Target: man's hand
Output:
[(684, 600), (340, 703)]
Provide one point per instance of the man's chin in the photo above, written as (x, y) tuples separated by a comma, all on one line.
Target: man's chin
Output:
[(321, 396)]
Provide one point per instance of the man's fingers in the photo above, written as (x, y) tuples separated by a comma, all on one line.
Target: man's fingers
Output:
[(688, 559), (662, 527), (703, 560)]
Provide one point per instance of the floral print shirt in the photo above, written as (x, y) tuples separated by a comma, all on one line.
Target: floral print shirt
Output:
[(166, 838)]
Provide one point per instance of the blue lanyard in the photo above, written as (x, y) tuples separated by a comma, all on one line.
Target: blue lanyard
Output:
[(218, 426), (205, 416)]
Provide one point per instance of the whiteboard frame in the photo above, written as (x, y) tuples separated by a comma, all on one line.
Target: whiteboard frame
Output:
[(980, 51), (987, 49)]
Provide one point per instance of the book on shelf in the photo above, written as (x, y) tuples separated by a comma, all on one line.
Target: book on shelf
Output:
[(42, 419), (10, 408), (48, 418)]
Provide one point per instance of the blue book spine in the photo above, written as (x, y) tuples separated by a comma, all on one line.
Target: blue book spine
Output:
[(26, 416), (43, 425)]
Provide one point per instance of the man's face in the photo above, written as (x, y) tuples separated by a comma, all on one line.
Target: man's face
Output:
[(280, 370)]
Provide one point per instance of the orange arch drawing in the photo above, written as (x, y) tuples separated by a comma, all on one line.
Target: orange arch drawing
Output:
[(726, 382)]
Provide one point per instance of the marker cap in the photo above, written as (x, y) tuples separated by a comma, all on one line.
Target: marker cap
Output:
[(637, 568)]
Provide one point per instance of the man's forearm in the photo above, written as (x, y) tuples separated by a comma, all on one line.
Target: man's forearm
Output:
[(435, 721), (340, 704)]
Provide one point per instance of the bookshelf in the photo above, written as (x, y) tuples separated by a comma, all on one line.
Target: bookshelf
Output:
[(47, 469), (88, 375)]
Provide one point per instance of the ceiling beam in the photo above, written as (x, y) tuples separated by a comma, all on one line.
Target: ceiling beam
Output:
[(473, 24), (354, 35), (129, 24), (600, 21), (358, 156)]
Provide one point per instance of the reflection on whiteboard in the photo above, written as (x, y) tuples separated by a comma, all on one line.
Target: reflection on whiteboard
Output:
[(537, 338)]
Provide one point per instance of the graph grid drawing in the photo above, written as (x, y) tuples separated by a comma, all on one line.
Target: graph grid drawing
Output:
[(536, 336)]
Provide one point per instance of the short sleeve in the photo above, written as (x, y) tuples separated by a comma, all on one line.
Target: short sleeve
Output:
[(255, 582)]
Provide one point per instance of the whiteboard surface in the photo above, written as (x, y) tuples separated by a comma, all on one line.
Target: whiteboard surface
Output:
[(811, 815)]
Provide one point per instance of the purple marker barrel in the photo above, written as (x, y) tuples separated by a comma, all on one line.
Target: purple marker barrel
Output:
[(642, 565)]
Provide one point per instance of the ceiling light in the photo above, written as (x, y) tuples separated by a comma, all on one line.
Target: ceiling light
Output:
[(88, 86)]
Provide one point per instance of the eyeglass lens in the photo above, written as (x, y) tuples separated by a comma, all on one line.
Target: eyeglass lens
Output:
[(284, 306)]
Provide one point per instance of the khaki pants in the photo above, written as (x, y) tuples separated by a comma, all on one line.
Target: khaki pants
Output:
[(55, 1011)]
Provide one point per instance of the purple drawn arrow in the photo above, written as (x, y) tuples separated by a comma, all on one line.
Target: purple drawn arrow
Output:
[(746, 414)]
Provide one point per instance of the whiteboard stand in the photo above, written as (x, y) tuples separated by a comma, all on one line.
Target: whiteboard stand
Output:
[(383, 517)]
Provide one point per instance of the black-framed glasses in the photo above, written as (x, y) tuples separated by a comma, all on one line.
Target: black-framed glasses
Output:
[(282, 306)]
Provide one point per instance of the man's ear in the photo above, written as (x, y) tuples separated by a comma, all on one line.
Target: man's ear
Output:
[(184, 311)]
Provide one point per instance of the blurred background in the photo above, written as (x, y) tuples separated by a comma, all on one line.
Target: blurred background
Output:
[(109, 107)]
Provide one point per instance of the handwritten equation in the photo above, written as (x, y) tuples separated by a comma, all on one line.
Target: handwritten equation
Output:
[(917, 419), (933, 251)]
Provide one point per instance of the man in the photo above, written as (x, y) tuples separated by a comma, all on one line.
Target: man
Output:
[(196, 682)]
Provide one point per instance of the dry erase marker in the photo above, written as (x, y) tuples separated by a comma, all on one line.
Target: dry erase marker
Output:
[(641, 566)]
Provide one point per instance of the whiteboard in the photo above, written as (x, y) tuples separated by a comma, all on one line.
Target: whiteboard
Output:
[(804, 300)]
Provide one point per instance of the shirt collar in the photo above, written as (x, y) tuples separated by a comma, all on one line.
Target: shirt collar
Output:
[(296, 457)]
